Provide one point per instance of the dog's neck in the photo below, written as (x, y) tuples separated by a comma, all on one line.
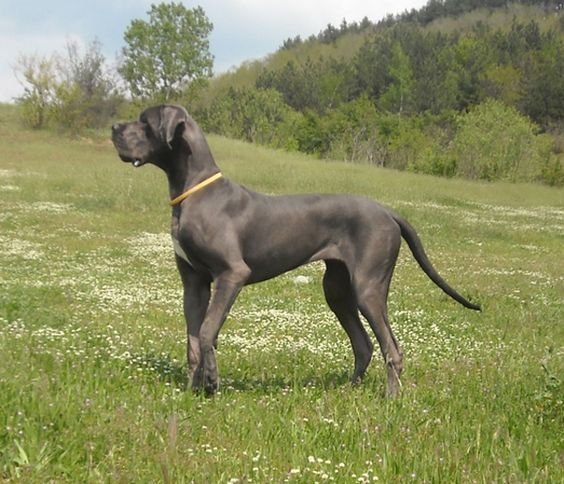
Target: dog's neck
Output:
[(187, 171)]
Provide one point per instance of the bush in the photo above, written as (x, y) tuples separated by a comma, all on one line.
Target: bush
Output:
[(73, 92), (495, 142), (406, 141), (254, 115), (428, 137), (75, 110), (352, 131), (39, 82)]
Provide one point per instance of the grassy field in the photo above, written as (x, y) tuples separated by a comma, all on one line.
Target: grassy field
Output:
[(92, 343)]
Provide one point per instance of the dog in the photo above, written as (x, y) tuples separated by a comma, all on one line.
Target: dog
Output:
[(229, 236)]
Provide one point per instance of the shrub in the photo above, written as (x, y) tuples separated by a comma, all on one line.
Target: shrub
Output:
[(495, 142), (74, 91), (352, 133), (39, 81), (254, 115)]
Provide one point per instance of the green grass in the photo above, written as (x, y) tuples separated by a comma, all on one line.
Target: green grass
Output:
[(92, 335)]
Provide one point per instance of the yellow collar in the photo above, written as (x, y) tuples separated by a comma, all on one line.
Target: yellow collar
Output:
[(195, 188)]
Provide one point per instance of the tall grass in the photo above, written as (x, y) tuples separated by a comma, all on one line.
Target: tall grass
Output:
[(92, 337)]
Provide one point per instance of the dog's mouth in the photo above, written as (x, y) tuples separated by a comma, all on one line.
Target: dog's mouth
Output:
[(125, 154), (135, 161)]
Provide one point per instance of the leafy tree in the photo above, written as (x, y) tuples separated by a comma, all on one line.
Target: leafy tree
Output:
[(39, 81), (495, 142), (254, 115), (503, 82), (352, 133), (371, 66), (312, 85), (399, 96), (74, 91), (436, 80), (311, 135), (165, 54), (472, 57), (543, 83), (87, 95)]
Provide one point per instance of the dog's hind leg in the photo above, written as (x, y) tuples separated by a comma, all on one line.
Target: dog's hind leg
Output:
[(373, 306), (342, 301), (376, 253)]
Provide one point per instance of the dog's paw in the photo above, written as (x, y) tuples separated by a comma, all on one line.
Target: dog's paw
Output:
[(211, 385)]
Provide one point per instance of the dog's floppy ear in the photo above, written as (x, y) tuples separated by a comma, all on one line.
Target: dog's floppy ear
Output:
[(171, 118)]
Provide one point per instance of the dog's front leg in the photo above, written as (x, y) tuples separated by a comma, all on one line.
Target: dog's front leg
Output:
[(227, 288), (196, 301)]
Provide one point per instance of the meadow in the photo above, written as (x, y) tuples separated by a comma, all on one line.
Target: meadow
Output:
[(92, 337)]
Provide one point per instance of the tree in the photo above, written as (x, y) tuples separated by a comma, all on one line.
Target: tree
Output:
[(310, 85), (371, 66), (472, 56), (399, 96), (86, 95), (495, 141), (165, 54), (39, 80), (75, 91), (543, 89), (255, 115)]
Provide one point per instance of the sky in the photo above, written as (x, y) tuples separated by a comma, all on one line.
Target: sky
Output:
[(243, 29)]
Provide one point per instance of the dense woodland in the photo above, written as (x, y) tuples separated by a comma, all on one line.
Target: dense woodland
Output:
[(460, 87)]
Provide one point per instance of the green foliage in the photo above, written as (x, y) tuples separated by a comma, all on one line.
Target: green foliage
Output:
[(472, 58), (437, 9), (503, 82), (74, 92), (495, 142), (348, 133), (399, 96), (166, 53), (317, 86), (407, 141), (352, 133), (39, 81), (255, 115), (388, 98), (87, 97), (543, 97), (386, 94)]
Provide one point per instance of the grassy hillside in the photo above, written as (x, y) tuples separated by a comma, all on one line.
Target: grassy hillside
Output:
[(92, 336)]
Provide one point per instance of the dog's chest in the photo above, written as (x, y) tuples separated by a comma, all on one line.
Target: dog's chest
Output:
[(180, 252)]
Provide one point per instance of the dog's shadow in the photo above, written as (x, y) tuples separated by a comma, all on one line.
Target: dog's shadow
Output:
[(170, 370)]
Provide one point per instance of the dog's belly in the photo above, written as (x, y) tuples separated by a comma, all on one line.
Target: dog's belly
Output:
[(279, 262)]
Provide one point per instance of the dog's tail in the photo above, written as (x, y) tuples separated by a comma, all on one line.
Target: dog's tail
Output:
[(414, 242)]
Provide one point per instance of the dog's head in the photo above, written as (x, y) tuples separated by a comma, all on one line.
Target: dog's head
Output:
[(151, 139)]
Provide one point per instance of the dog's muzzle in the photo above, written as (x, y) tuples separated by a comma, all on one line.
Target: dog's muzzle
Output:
[(121, 146)]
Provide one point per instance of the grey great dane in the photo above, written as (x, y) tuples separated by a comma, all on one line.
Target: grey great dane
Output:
[(229, 236)]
